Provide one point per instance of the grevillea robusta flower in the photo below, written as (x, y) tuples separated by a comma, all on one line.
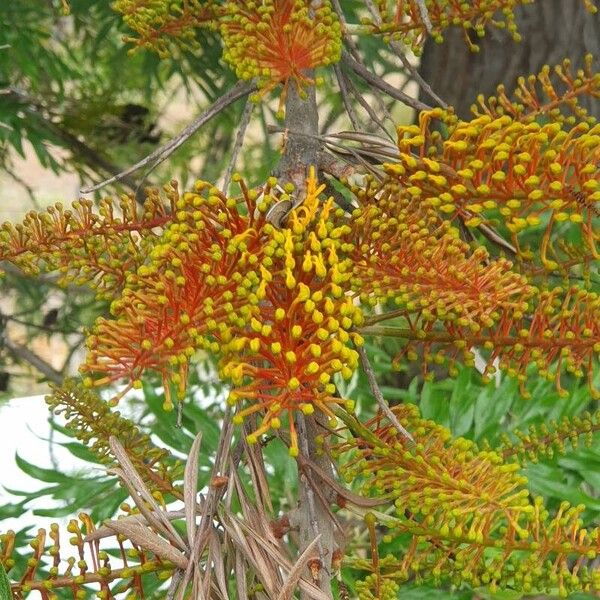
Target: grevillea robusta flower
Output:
[(411, 21), (302, 334), (278, 41), (500, 168), (160, 25), (461, 514)]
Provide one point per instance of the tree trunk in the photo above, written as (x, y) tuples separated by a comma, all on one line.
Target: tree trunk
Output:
[(552, 30)]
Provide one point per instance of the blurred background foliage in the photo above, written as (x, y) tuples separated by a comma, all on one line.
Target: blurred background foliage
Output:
[(74, 100)]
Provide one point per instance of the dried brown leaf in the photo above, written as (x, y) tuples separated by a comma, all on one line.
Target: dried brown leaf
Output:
[(190, 488), (296, 571), (148, 540), (141, 495)]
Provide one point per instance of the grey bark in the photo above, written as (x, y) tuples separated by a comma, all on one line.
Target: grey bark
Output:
[(551, 29), (301, 145)]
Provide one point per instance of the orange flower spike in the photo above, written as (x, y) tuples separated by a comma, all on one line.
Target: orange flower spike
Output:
[(279, 40), (88, 247), (407, 254), (187, 297), (522, 170), (403, 20), (300, 338), (538, 95)]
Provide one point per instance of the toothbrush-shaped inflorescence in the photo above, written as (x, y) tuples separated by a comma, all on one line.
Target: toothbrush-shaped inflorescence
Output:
[(302, 334), (461, 515), (280, 41), (161, 25), (498, 168)]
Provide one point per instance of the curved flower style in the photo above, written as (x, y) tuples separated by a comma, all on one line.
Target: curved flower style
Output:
[(468, 516), (405, 20), (526, 174), (91, 420), (560, 333), (64, 563), (550, 93), (301, 335), (279, 40)]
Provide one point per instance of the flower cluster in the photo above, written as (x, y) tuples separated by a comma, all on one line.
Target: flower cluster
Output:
[(281, 307), (492, 169), (410, 21), (302, 334), (406, 253), (278, 41), (270, 302), (405, 20), (187, 295), (467, 515), (48, 572), (548, 439), (559, 333), (551, 93), (159, 24), (100, 249), (93, 422)]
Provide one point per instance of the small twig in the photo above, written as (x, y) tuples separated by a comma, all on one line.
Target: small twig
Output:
[(424, 15), (384, 316), (177, 575), (383, 405), (238, 91), (312, 512), (367, 107), (381, 84), (237, 146), (398, 50), (341, 79), (24, 353)]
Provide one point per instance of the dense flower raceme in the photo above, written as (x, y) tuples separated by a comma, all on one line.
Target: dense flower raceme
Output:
[(93, 422), (450, 299), (405, 252), (97, 248), (405, 20), (497, 168), (75, 565), (465, 516), (276, 41), (279, 40), (188, 296), (223, 280), (302, 334), (560, 333)]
